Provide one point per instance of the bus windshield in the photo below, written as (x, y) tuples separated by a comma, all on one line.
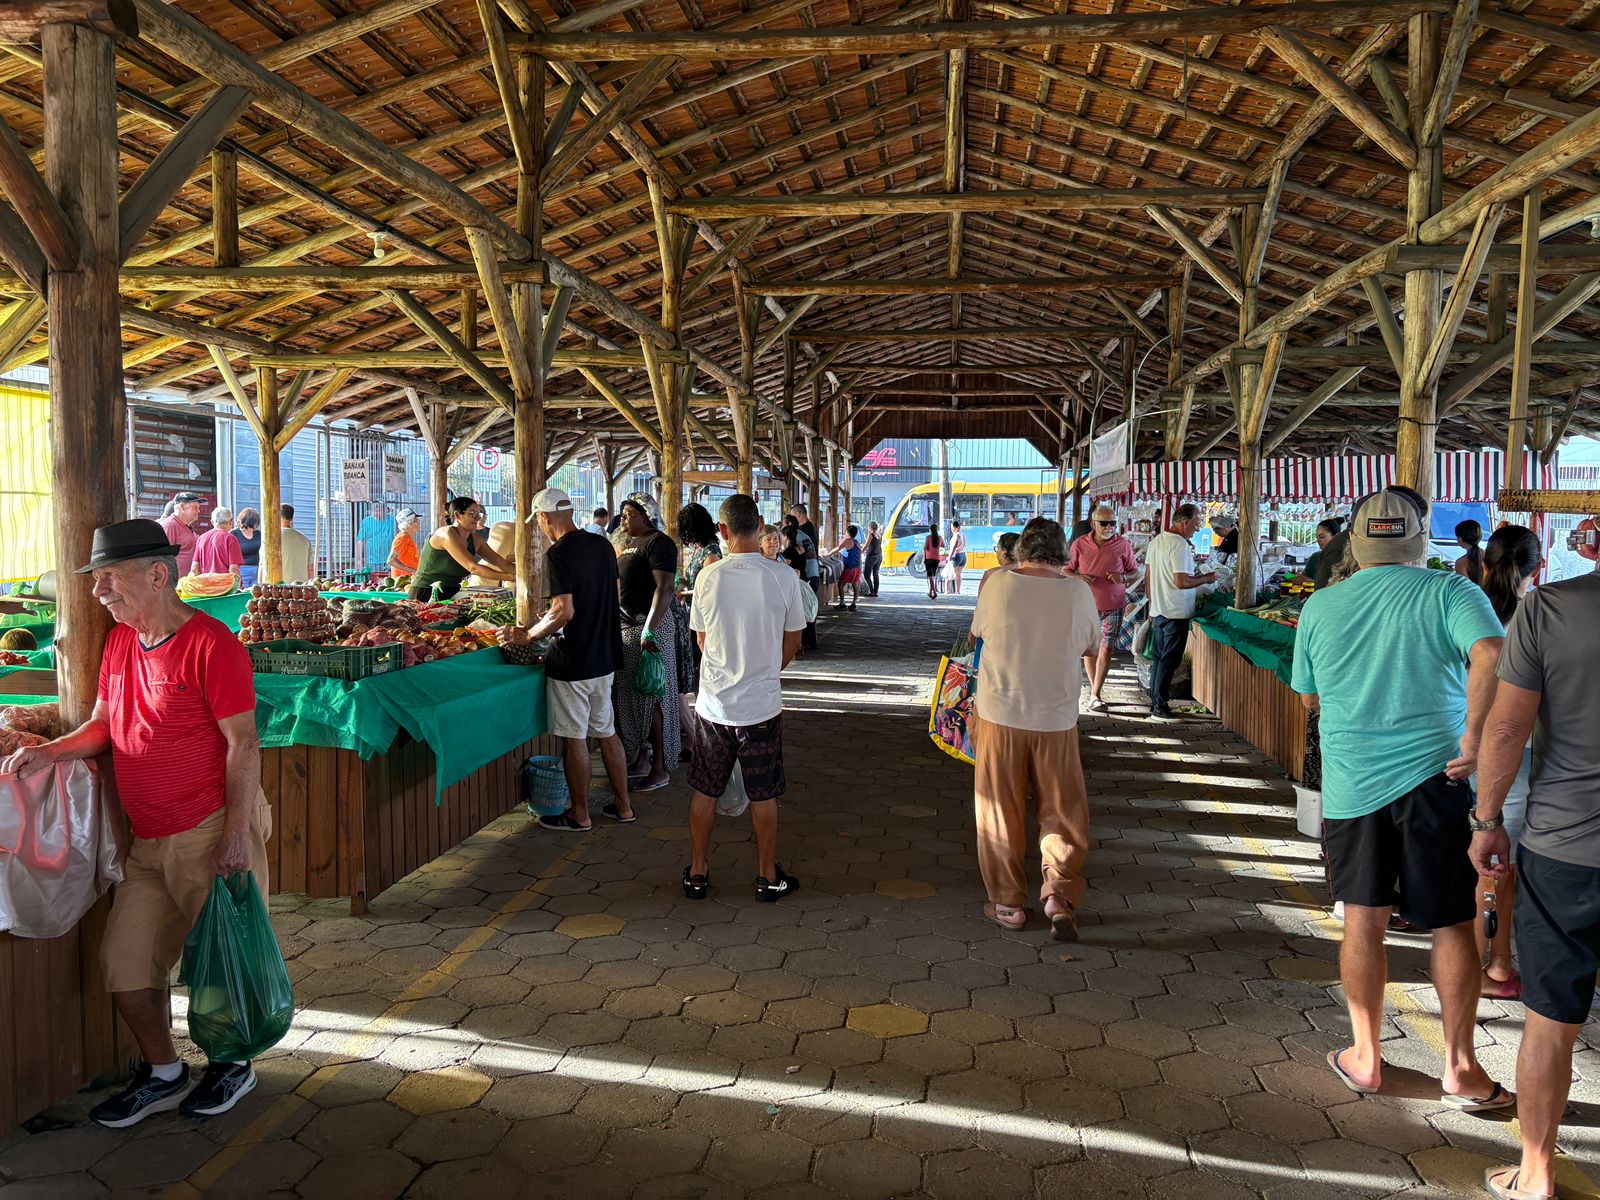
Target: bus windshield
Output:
[(916, 515)]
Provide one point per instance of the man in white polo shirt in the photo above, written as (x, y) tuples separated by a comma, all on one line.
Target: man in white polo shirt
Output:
[(1170, 583), (748, 617)]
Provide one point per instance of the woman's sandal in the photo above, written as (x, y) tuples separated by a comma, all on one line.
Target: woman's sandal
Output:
[(1005, 916), (1497, 1099), (1502, 1184), (695, 886), (1501, 989)]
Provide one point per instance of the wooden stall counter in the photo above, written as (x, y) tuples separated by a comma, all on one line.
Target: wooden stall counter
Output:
[(1252, 699), (347, 827), (370, 780)]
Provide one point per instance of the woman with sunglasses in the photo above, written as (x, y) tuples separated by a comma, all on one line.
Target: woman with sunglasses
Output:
[(457, 550)]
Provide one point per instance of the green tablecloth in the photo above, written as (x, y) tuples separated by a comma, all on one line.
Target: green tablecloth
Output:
[(24, 701), (470, 710), (227, 609), (1265, 644)]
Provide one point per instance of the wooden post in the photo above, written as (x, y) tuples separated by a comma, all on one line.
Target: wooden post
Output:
[(89, 410), (438, 471), (747, 308), (833, 494), (528, 440), (1419, 401), (225, 207), (1078, 486), (670, 381), (1522, 356), (271, 475), (1245, 581), (848, 473), (814, 488)]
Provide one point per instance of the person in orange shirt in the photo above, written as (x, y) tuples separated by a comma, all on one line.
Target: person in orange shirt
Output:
[(404, 555)]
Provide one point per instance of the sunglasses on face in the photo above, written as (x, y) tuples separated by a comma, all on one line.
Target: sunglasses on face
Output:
[(1106, 524)]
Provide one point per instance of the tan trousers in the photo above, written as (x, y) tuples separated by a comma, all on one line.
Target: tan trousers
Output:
[(1007, 761)]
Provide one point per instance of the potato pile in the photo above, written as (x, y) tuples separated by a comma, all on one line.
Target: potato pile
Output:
[(285, 610)]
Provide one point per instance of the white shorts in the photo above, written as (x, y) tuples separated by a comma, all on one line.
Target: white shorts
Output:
[(580, 707)]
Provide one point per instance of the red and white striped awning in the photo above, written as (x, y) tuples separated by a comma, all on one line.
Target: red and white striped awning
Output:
[(1459, 477)]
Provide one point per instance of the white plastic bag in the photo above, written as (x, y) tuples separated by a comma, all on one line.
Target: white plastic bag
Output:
[(61, 847), (734, 799)]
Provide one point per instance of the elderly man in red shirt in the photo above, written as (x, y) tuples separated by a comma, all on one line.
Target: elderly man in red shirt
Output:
[(1104, 561), (176, 711)]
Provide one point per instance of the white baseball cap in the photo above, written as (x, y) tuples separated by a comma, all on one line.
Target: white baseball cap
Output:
[(551, 500)]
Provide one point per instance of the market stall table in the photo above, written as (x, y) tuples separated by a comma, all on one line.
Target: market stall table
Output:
[(1241, 666), (58, 1030), (370, 780)]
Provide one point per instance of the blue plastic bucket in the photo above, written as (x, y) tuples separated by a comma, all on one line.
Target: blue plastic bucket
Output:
[(545, 785)]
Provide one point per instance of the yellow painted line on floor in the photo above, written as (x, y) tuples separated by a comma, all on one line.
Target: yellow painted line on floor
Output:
[(425, 985), (1410, 1015)]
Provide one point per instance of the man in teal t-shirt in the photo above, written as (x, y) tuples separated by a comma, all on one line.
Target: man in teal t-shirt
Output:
[(1400, 661)]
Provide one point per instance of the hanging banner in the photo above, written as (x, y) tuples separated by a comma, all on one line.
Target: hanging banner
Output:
[(1110, 463), (394, 474), (27, 484), (356, 476)]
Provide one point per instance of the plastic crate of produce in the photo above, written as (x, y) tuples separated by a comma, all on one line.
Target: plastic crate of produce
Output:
[(292, 657)]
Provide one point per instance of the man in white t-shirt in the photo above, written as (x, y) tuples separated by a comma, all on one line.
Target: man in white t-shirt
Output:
[(748, 616), (1170, 581)]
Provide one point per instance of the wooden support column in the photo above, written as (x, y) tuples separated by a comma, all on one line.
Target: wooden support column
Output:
[(225, 207), (813, 487), (744, 405), (528, 439), (88, 408), (1419, 400), (1250, 375), (1078, 485), (267, 409), (1522, 355), (1177, 299), (833, 493), (669, 380)]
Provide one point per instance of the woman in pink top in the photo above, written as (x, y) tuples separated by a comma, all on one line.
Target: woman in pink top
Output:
[(217, 551), (1105, 561)]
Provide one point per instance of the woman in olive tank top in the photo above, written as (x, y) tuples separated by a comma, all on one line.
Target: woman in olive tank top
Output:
[(455, 551)]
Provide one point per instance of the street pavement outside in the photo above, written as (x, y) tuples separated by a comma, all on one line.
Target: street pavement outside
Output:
[(537, 1015)]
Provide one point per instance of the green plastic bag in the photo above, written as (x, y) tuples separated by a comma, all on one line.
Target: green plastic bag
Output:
[(650, 676), (240, 999)]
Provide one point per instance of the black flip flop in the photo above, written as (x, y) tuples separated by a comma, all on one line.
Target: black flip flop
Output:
[(563, 823), (610, 810)]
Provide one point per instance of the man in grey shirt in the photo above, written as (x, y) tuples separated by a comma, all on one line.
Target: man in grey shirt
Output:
[(1548, 675)]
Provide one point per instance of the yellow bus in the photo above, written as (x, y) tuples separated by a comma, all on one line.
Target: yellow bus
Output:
[(985, 510)]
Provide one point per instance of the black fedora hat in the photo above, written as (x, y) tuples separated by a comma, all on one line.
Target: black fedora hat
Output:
[(139, 538)]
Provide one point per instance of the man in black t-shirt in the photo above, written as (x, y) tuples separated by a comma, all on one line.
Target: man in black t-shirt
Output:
[(584, 619)]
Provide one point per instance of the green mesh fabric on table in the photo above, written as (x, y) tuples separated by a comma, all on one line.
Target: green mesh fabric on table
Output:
[(24, 701), (469, 710), (1265, 644)]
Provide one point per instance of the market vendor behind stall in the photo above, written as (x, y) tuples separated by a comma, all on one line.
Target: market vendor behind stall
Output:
[(455, 551), (176, 711)]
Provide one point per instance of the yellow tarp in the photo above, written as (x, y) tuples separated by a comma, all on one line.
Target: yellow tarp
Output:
[(27, 501)]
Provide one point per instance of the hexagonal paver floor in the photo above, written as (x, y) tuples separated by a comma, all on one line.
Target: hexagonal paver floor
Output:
[(536, 1016)]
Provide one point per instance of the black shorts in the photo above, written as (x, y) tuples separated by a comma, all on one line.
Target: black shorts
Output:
[(1556, 927), (758, 749), (1410, 855)]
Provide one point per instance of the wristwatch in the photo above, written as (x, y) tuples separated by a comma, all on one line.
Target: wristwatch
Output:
[(1478, 826)]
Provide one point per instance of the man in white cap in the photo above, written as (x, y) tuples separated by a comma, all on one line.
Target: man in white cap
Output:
[(1384, 657), (585, 621)]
